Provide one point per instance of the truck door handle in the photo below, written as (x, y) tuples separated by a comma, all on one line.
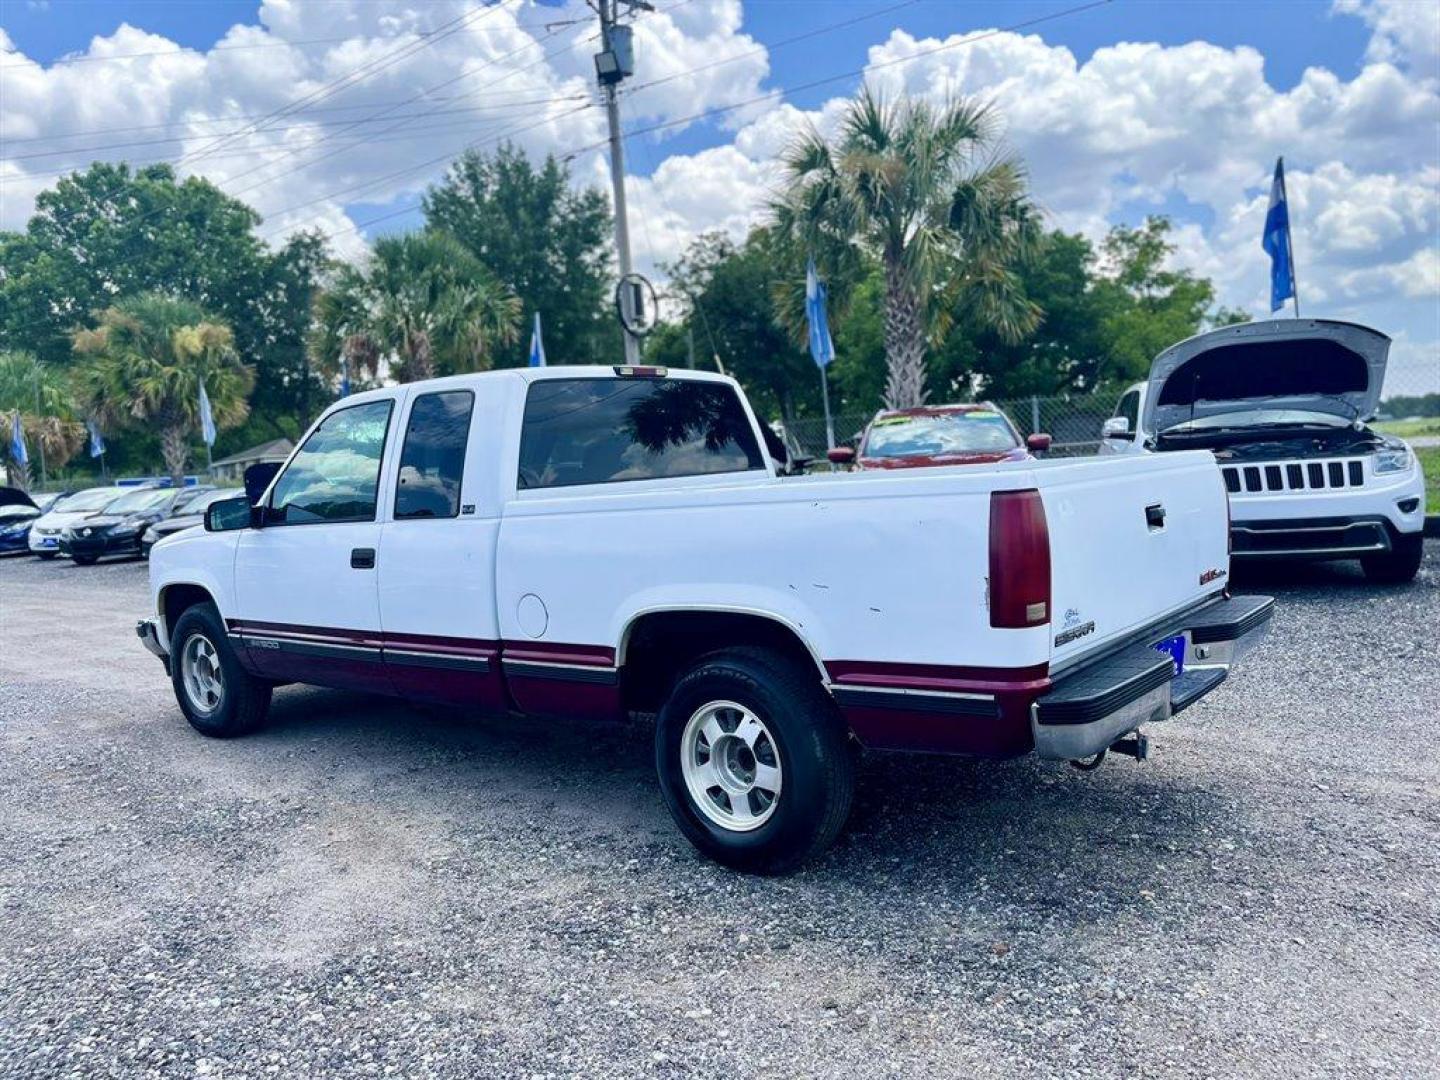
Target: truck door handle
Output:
[(1155, 516), (362, 558)]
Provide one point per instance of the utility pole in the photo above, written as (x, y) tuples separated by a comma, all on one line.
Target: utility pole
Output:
[(613, 64)]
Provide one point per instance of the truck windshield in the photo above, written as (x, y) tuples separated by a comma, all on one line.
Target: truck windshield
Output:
[(940, 433)]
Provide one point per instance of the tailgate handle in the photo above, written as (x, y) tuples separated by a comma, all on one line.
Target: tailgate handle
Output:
[(1155, 517), (362, 558)]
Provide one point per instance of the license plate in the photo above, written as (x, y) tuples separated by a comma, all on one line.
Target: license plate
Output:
[(1175, 647), (49, 541)]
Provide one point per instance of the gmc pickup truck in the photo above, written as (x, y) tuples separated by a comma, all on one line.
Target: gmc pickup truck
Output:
[(594, 542)]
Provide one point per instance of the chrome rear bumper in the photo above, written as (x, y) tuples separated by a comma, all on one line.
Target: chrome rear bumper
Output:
[(1089, 709)]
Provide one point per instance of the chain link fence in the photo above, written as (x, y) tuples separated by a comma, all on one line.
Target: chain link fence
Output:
[(1072, 422)]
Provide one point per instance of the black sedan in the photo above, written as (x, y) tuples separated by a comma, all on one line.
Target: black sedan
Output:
[(118, 529), (17, 513), (191, 516)]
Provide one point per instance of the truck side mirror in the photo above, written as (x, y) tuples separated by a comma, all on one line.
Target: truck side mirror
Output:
[(1038, 443), (227, 515), (841, 455), (1117, 427)]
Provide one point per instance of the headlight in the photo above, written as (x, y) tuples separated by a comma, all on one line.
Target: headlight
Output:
[(1393, 461)]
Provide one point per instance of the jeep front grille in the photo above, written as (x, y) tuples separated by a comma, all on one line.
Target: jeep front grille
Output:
[(1294, 476)]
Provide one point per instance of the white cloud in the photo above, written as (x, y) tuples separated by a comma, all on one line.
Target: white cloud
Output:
[(1141, 125), (517, 70), (1405, 31), (1136, 126)]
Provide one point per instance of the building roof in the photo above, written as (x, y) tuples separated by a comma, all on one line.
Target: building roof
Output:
[(274, 450)]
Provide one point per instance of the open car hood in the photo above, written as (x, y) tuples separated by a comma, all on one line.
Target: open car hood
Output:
[(10, 496), (1318, 365)]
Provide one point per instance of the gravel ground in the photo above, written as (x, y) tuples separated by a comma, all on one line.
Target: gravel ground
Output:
[(363, 889)]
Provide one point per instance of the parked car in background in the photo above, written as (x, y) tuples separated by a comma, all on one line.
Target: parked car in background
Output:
[(937, 435), (45, 535), (117, 530), (17, 513), (1284, 405), (590, 542), (189, 516), (47, 499)]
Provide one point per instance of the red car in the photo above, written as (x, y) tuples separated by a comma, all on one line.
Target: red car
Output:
[(939, 435)]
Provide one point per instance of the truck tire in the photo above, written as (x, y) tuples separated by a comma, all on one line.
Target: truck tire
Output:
[(754, 761), (219, 697), (1398, 565)]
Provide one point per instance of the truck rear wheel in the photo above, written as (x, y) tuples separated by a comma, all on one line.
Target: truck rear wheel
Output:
[(1398, 565), (754, 761), (219, 697)]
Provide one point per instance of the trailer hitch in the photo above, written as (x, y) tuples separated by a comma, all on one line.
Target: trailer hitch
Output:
[(1135, 745)]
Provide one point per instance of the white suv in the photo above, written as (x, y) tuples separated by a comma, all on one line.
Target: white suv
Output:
[(1284, 405)]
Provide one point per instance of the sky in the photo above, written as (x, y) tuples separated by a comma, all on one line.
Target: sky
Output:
[(336, 115)]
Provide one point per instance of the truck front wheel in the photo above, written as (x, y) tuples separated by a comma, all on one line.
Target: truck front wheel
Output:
[(754, 761), (219, 697), (1398, 565)]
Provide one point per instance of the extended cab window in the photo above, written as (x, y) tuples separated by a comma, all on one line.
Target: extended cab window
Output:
[(595, 431), (335, 475), (432, 460)]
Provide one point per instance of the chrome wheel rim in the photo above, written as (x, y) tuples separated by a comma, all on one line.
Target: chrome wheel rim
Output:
[(201, 674), (731, 764)]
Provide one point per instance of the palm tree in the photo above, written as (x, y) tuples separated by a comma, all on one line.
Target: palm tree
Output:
[(41, 395), (424, 301), (147, 359), (926, 191)]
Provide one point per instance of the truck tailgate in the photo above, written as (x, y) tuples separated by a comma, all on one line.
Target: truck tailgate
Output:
[(1131, 541)]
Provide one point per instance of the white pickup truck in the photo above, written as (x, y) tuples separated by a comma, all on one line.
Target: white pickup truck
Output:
[(594, 541)]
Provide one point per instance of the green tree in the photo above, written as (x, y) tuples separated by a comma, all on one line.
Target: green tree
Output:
[(927, 192), (40, 393), (146, 361), (110, 232), (727, 292), (1061, 355), (425, 302), (1148, 305), (546, 239)]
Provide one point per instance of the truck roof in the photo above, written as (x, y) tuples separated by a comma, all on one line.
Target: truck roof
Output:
[(529, 375)]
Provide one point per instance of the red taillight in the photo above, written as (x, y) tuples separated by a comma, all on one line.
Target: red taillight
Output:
[(1019, 560)]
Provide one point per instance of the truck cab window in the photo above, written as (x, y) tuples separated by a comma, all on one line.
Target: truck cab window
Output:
[(598, 431), (336, 473), (432, 460)]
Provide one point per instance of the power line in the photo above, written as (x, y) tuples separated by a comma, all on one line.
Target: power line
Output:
[(293, 127), (530, 42), (364, 71), (780, 91), (278, 153), (367, 69), (179, 50), (12, 140), (409, 169), (784, 91)]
